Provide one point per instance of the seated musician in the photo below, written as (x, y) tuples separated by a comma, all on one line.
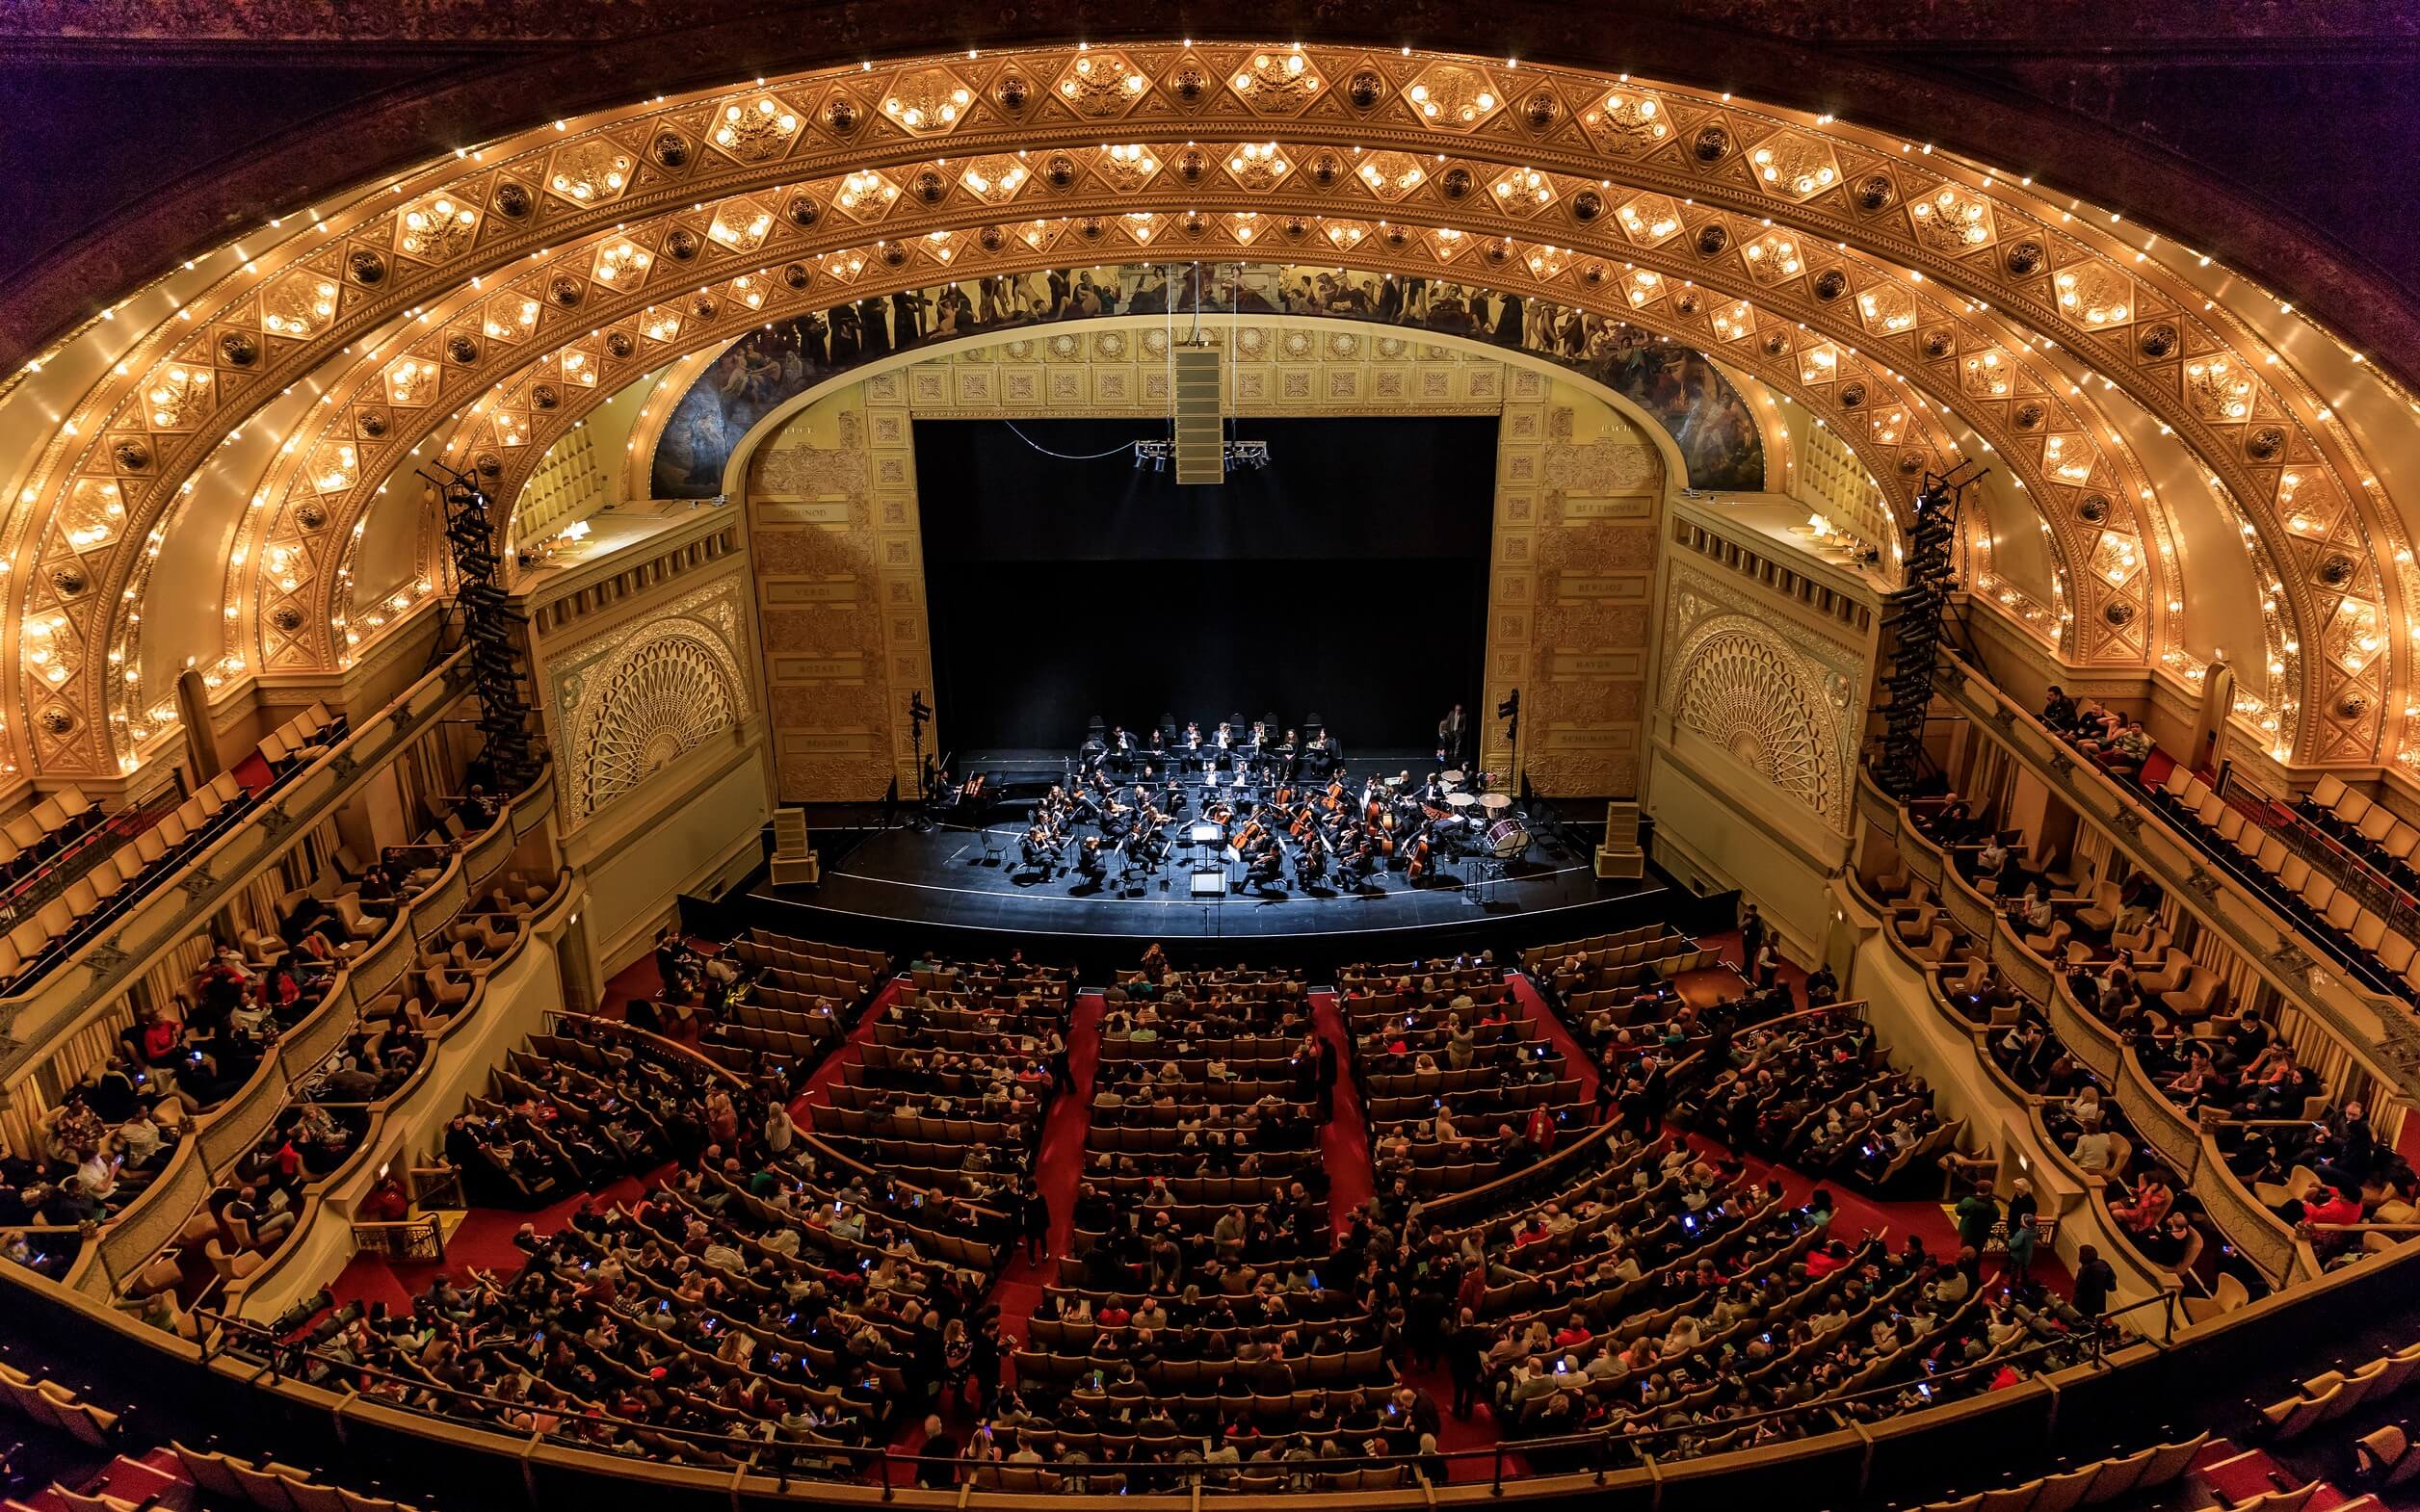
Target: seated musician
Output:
[(1040, 850), (1091, 860), (1264, 866), (1159, 742), (1311, 864), (1088, 756)]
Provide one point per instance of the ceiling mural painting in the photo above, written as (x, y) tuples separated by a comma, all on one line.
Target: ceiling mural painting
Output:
[(1704, 412)]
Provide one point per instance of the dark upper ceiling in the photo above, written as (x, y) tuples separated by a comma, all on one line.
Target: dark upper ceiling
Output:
[(2278, 134)]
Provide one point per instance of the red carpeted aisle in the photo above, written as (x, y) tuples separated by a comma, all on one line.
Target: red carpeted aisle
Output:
[(1544, 1020), (1060, 1166), (1343, 1140)]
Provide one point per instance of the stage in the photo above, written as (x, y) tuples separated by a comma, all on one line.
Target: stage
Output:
[(942, 889)]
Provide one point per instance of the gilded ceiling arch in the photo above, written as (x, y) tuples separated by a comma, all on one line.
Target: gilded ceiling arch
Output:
[(1530, 149)]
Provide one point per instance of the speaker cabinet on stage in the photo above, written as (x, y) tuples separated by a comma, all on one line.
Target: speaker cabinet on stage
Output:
[(1621, 855), (794, 864), (1201, 440)]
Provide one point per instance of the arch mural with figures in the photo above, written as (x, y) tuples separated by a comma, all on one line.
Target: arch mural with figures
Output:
[(1685, 392)]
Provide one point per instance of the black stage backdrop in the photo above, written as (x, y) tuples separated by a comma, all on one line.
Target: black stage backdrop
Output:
[(1348, 579)]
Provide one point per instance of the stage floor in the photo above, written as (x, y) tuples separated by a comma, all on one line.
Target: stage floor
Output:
[(948, 878)]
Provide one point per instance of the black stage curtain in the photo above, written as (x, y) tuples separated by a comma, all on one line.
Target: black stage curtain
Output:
[(1348, 579)]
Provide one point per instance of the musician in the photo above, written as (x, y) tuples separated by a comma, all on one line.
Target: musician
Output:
[(1322, 755), (1310, 864), (1092, 862), (1451, 731), (1158, 744), (1266, 866), (1041, 851), (1090, 755)]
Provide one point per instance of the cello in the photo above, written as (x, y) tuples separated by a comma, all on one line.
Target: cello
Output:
[(1420, 866)]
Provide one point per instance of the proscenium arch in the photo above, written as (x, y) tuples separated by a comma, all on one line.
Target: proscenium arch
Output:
[(743, 450), (1468, 149), (573, 400), (468, 441)]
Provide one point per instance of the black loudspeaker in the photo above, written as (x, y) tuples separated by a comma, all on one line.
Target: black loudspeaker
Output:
[(1200, 444)]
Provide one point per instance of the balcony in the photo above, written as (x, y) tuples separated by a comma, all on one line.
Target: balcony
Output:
[(84, 986), (2380, 1029)]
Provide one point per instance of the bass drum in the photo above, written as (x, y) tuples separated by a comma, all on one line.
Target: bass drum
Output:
[(1506, 837)]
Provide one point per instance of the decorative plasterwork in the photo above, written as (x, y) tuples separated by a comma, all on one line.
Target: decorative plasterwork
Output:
[(1781, 699), (1830, 213), (638, 695)]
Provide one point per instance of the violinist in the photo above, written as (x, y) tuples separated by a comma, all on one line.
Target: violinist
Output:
[(1311, 863), (1264, 869), (1091, 861), (1041, 851)]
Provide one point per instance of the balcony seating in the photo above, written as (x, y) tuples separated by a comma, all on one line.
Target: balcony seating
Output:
[(2332, 908), (273, 1486), (2199, 997), (2334, 1394), (2385, 1457)]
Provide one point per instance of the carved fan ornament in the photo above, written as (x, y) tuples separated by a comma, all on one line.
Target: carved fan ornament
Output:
[(1741, 692), (662, 698)]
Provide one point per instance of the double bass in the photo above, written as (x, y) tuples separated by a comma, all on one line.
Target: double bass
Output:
[(1420, 864)]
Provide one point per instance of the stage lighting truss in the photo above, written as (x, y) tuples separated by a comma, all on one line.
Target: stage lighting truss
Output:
[(1240, 454)]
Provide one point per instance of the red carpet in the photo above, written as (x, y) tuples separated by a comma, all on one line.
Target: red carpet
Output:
[(1344, 1142), (1019, 1289), (1544, 1020)]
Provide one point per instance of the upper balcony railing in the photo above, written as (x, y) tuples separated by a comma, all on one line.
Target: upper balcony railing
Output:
[(67, 998), (2381, 1032)]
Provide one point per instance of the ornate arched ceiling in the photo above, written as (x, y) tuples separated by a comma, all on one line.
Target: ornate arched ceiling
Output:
[(1924, 308)]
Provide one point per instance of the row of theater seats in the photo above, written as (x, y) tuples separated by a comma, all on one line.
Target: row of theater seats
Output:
[(273, 1486), (53, 1406), (2326, 1398), (1436, 1126), (62, 922), (2090, 1485), (1654, 942), (795, 1000), (2330, 912)]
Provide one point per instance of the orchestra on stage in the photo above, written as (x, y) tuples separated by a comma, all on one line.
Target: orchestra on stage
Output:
[(1260, 805)]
